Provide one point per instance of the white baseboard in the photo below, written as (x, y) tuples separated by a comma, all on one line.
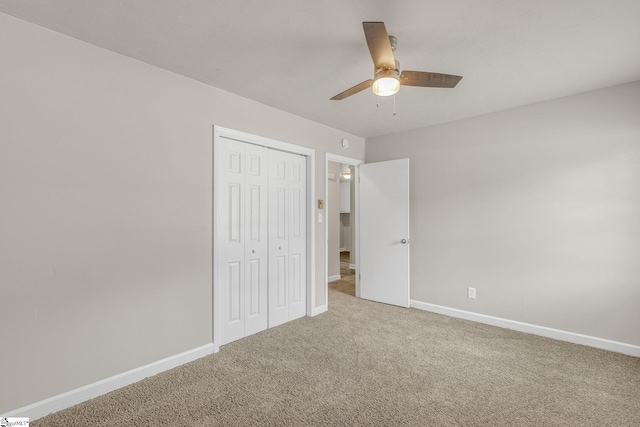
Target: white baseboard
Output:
[(334, 278), (318, 310), (629, 349), (352, 266), (81, 394)]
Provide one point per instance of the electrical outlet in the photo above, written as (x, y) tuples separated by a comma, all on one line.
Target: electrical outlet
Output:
[(471, 293)]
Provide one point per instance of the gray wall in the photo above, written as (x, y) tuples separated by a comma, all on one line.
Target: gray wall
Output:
[(333, 220), (106, 209), (352, 218), (537, 207), (345, 231)]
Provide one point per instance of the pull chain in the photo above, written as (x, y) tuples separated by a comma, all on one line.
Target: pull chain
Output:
[(394, 104)]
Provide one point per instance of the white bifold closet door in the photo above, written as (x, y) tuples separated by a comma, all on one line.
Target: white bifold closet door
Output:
[(243, 225), (262, 232), (287, 237)]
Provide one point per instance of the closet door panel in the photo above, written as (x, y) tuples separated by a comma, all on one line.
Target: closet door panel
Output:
[(297, 227), (231, 224), (256, 239), (234, 287), (235, 213), (296, 279), (280, 282), (278, 239), (253, 288)]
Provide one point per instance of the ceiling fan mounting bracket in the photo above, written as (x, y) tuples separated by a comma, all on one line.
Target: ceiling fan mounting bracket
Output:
[(393, 40)]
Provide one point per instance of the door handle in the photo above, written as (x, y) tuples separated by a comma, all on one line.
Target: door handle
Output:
[(405, 241)]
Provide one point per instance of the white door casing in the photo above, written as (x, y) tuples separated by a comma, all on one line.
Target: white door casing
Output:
[(384, 232)]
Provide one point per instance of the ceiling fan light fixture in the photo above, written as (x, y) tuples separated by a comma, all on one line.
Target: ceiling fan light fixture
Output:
[(386, 86), (387, 82)]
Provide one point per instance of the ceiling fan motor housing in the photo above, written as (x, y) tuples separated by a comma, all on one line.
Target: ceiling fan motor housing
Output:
[(382, 73)]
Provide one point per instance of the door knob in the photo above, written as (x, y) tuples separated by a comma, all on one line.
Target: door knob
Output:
[(253, 251), (280, 248), (404, 241)]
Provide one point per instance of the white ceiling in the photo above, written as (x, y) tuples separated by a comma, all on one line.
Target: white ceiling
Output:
[(296, 54)]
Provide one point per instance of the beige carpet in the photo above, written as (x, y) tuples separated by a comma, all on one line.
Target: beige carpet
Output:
[(369, 364)]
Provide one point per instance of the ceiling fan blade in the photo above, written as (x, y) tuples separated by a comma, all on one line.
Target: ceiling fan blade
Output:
[(357, 88), (379, 45), (425, 79)]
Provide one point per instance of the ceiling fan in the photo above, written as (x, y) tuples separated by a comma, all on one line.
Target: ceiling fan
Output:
[(387, 77)]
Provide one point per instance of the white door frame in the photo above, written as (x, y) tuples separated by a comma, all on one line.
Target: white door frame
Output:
[(329, 157), (310, 155)]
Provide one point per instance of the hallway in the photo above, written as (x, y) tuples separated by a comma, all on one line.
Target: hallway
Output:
[(347, 282)]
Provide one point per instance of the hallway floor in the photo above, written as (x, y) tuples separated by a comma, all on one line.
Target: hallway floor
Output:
[(347, 282)]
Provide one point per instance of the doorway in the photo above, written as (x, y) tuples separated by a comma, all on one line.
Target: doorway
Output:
[(341, 225)]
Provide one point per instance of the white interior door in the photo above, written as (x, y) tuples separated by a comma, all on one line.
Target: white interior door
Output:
[(287, 237), (243, 225), (384, 232), (256, 247), (297, 236)]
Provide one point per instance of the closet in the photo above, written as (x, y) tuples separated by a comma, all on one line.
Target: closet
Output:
[(262, 238)]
